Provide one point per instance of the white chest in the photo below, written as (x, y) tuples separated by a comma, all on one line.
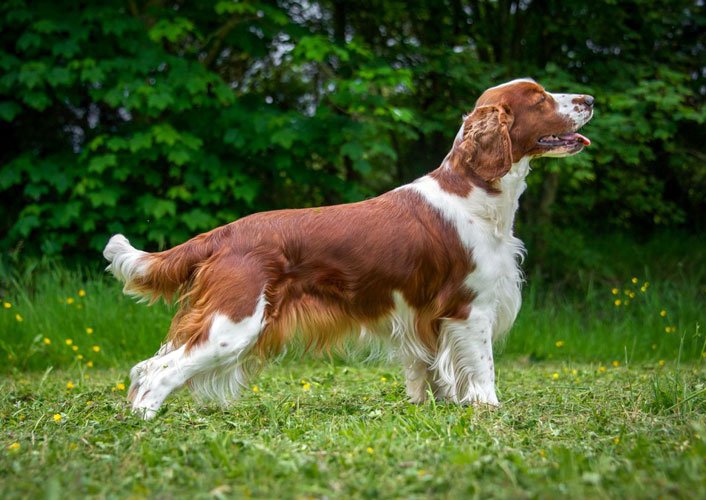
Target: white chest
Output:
[(497, 279), (484, 223)]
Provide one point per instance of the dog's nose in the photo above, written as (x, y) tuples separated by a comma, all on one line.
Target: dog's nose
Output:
[(588, 100)]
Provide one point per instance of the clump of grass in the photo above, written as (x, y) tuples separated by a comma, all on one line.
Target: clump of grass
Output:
[(676, 392), (635, 320), (63, 318)]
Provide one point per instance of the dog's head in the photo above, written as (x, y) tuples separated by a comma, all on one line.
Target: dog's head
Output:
[(520, 119)]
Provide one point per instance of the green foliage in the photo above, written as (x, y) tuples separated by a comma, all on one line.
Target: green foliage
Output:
[(164, 119)]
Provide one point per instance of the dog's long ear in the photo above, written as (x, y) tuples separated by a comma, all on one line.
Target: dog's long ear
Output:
[(484, 148)]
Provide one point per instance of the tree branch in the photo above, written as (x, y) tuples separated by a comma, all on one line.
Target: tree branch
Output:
[(219, 37)]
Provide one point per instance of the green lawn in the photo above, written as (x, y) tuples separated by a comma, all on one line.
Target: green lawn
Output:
[(325, 428), (602, 384)]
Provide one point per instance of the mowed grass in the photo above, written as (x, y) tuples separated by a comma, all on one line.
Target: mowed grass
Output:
[(327, 429), (600, 399)]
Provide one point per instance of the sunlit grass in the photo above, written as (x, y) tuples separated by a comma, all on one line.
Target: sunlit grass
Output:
[(64, 318), (70, 318), (599, 399), (323, 428)]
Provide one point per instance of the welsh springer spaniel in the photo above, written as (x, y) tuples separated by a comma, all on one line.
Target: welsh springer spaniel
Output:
[(432, 265)]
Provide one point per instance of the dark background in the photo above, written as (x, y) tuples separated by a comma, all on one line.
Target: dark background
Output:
[(164, 119)]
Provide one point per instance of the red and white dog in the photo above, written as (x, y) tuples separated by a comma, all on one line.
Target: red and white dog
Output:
[(432, 265)]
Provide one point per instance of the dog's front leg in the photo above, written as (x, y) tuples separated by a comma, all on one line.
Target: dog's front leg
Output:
[(464, 367)]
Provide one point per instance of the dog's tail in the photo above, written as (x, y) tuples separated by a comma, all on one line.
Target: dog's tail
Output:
[(150, 276)]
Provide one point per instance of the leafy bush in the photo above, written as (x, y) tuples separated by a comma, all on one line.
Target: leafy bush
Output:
[(164, 119)]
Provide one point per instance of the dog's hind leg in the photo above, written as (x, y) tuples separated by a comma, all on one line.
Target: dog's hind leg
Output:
[(216, 367)]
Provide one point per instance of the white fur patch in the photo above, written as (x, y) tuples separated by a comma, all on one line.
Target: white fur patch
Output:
[(464, 364), (227, 351), (512, 82), (414, 356), (216, 369), (126, 262), (578, 115), (404, 332)]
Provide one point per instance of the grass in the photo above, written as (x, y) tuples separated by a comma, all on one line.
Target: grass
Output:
[(600, 400), (47, 314), (321, 429)]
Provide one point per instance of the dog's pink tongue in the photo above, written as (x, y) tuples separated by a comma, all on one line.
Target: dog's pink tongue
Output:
[(585, 140), (575, 136)]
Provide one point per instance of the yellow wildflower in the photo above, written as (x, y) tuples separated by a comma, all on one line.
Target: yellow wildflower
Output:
[(47, 340), (646, 284), (96, 348), (617, 302), (82, 293), (661, 362), (14, 446), (89, 364), (615, 291), (89, 330), (120, 386), (18, 317), (542, 453), (654, 347), (634, 280), (574, 372), (255, 388), (663, 313), (555, 376), (383, 379), (670, 329), (89, 403), (6, 305), (70, 300), (74, 347), (643, 288), (631, 295), (616, 440), (559, 343), (69, 341), (306, 386), (79, 357), (70, 385), (57, 417), (615, 363), (601, 369), (370, 450)]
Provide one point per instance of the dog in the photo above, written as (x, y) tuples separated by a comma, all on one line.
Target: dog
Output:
[(433, 266)]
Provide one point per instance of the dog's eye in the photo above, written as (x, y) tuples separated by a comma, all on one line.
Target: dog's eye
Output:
[(542, 98)]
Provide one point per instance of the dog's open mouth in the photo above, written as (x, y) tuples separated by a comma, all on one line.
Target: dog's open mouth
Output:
[(570, 139)]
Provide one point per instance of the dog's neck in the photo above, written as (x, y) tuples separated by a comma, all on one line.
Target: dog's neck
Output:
[(512, 185), (497, 204)]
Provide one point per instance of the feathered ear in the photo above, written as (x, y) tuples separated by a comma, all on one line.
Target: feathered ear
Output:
[(484, 148)]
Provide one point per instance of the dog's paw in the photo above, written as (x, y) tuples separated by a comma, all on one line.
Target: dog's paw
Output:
[(144, 412), (138, 376)]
